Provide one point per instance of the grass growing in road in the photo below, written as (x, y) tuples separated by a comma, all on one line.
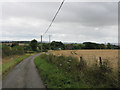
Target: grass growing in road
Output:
[(66, 72), (10, 62)]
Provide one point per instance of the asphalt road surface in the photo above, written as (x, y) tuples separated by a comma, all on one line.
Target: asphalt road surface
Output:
[(24, 75)]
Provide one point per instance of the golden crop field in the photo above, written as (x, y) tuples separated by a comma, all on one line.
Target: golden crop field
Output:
[(92, 56)]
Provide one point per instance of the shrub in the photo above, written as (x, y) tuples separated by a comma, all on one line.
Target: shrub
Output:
[(8, 51)]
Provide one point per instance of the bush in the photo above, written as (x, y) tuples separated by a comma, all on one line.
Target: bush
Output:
[(68, 64), (27, 48), (8, 51)]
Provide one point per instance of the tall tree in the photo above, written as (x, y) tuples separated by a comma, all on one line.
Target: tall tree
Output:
[(34, 45)]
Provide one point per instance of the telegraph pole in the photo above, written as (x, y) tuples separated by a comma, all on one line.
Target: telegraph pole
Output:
[(41, 43), (49, 38), (49, 41)]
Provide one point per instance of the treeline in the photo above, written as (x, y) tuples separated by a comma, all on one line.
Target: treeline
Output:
[(86, 45), (54, 45), (18, 48), (91, 45)]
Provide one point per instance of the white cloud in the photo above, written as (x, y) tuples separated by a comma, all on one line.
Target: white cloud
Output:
[(76, 22)]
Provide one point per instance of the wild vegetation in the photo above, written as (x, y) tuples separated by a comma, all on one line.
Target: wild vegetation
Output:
[(14, 54), (92, 56), (16, 49), (67, 72), (8, 51), (9, 62)]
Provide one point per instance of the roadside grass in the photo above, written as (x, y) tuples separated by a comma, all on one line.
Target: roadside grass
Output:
[(8, 64), (51, 75), (66, 72)]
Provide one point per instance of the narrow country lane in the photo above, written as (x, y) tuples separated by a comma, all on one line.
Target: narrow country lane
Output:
[(24, 75)]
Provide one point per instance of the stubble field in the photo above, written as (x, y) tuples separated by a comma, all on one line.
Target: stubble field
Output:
[(92, 56)]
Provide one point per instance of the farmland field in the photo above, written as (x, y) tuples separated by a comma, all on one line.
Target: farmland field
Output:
[(92, 56)]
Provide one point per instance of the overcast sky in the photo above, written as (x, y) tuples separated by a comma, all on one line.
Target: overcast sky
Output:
[(76, 21)]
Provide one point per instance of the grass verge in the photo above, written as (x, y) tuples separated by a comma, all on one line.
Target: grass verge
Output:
[(8, 65), (66, 72), (51, 75)]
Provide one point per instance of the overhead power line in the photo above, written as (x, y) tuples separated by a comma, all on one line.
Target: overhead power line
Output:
[(54, 17)]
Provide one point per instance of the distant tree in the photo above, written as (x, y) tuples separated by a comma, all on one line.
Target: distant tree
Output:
[(76, 46), (33, 45), (57, 45), (69, 46), (14, 44), (45, 47), (81, 46), (102, 46), (109, 46), (90, 45), (115, 47)]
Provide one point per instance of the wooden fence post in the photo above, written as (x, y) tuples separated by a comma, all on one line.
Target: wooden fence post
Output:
[(100, 59), (80, 58)]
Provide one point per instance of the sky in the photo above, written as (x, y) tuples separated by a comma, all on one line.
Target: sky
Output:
[(76, 22)]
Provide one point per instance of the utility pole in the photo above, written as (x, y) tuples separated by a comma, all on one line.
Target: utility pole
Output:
[(41, 43), (49, 42)]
